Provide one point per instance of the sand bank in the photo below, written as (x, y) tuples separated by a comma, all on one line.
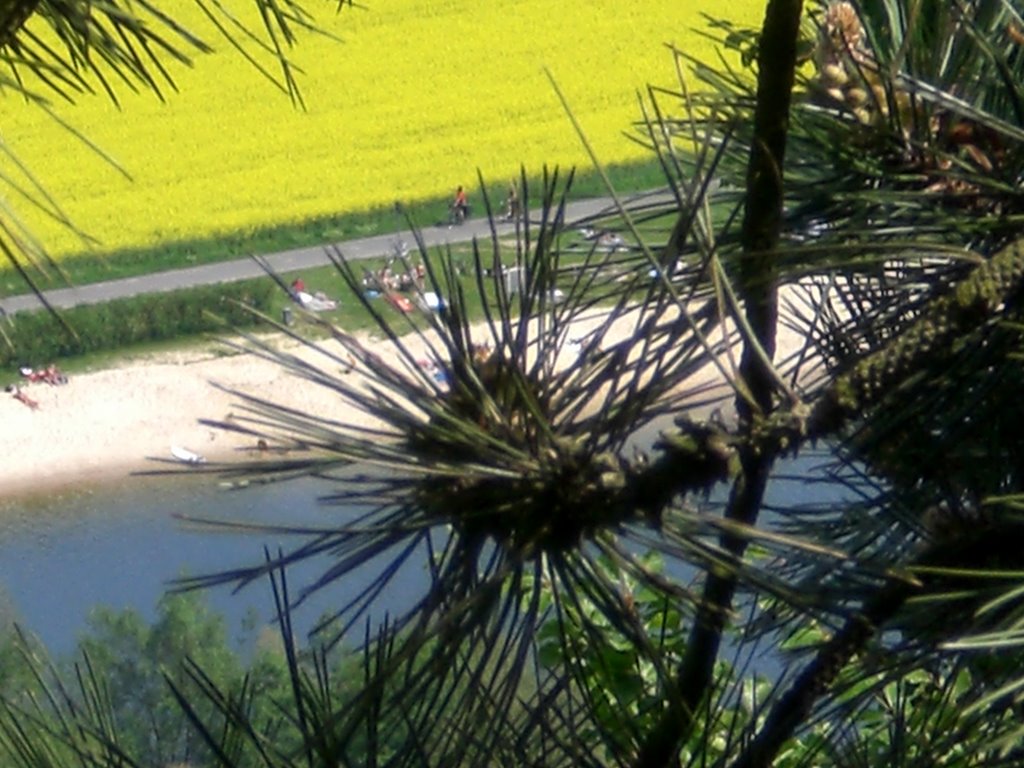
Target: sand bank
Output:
[(102, 426)]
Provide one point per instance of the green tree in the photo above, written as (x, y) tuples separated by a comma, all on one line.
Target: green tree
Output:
[(859, 188), (133, 658), (111, 701)]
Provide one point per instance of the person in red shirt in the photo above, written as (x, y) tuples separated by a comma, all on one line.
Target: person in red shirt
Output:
[(460, 206)]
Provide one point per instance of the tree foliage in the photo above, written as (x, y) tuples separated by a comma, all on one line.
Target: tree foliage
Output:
[(858, 192)]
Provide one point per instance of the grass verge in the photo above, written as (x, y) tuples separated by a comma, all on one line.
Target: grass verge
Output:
[(96, 267)]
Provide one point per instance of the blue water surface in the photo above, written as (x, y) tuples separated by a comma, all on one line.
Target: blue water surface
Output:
[(122, 545)]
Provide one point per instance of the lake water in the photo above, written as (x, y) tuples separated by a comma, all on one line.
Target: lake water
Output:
[(121, 545)]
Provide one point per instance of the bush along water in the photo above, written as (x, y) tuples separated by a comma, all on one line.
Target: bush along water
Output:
[(39, 337)]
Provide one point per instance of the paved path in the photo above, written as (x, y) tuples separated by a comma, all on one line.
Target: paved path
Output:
[(285, 261)]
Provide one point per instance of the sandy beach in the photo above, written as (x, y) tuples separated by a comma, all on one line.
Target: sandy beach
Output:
[(102, 426)]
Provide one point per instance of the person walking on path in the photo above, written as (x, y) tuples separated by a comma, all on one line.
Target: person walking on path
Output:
[(512, 202)]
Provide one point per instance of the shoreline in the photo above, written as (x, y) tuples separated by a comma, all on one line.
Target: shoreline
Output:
[(103, 427)]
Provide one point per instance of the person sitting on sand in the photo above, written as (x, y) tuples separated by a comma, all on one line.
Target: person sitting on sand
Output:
[(54, 376)]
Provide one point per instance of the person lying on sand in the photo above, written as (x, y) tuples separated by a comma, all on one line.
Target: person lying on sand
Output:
[(317, 302), (15, 390)]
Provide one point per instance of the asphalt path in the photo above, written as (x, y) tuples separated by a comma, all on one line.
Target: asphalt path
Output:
[(286, 261)]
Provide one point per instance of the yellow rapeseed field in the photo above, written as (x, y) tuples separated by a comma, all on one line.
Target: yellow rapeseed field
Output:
[(414, 98)]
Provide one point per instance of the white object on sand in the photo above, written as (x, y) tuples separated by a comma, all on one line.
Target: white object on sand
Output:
[(316, 302), (431, 301), (186, 456)]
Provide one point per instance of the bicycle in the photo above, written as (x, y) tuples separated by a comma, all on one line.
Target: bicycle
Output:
[(457, 214)]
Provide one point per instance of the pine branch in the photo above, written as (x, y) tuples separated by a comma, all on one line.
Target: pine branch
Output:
[(819, 675), (762, 225), (13, 15), (932, 572), (698, 456), (972, 303)]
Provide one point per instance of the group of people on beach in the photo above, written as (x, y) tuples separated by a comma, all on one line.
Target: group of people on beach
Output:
[(51, 375), (390, 280)]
